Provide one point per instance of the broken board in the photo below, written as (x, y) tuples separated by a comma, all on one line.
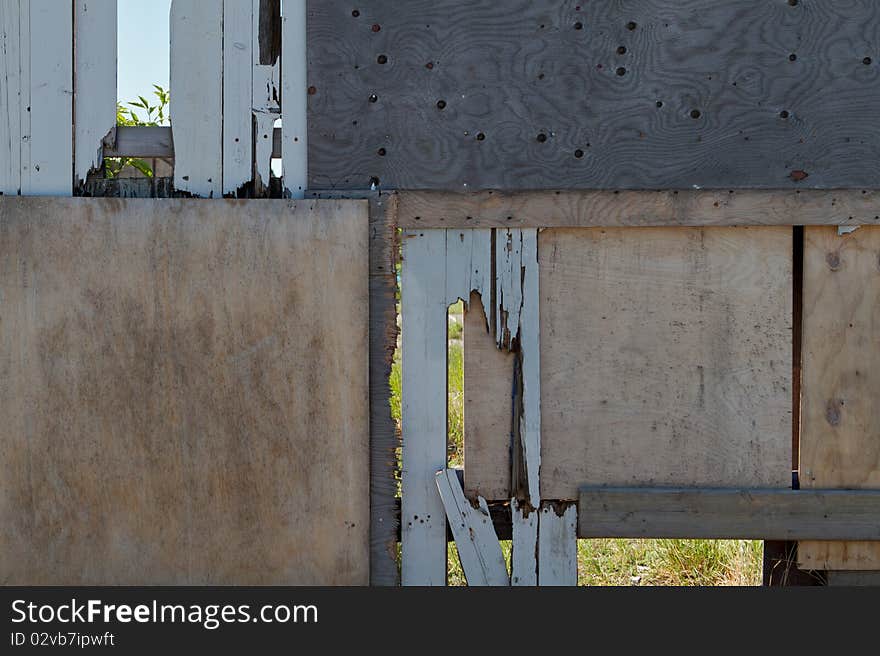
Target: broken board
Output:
[(185, 392), (666, 360), (840, 413)]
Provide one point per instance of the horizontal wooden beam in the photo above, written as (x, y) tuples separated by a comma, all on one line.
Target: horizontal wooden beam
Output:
[(575, 209), (155, 141), (729, 514)]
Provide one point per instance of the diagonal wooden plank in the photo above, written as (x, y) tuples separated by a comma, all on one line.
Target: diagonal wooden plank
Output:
[(478, 548)]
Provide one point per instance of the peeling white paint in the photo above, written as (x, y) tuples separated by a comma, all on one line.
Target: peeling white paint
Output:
[(524, 555), (557, 547), (478, 548), (469, 266)]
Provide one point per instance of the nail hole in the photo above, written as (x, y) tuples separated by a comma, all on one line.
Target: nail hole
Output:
[(441, 104), (631, 26), (621, 71), (381, 152), (696, 113), (578, 153), (621, 50), (382, 59), (481, 136), (578, 26), (783, 114), (866, 61), (374, 98), (542, 137), (792, 57), (355, 13), (376, 27)]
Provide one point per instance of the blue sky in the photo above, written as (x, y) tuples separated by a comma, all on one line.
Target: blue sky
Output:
[(143, 47)]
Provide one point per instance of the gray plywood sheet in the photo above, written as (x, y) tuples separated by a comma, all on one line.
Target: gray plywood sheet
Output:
[(184, 390), (572, 94)]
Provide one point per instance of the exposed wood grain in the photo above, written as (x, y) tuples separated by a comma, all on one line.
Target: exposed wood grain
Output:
[(524, 554), (665, 358), (47, 158), (294, 91), (557, 545), (488, 409), (166, 367), (95, 82), (10, 98), (752, 514), (238, 72), (197, 101), (840, 417), (573, 208), (573, 94), (478, 548)]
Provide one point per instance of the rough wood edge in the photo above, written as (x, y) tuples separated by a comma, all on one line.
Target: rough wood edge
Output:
[(756, 514), (478, 548), (557, 545), (564, 209)]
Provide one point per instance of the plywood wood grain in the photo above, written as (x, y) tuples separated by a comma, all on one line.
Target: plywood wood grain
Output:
[(544, 94), (184, 390), (840, 412), (665, 359)]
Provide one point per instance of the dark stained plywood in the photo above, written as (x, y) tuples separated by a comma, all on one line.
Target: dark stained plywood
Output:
[(184, 390), (573, 94)]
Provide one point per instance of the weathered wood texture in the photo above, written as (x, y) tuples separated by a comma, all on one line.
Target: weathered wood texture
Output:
[(840, 413), (592, 209), (95, 82), (197, 101), (10, 97), (185, 392), (489, 395), (294, 124), (557, 546), (572, 94), (754, 514), (665, 359)]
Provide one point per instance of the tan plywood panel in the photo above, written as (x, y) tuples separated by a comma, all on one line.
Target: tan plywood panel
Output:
[(184, 390), (666, 360), (840, 412)]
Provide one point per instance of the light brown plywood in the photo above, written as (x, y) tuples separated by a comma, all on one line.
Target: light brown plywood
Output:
[(666, 360), (184, 389), (840, 411), (488, 408)]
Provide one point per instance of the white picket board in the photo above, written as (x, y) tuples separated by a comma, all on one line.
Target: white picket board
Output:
[(530, 347), (523, 557), (294, 98), (197, 96), (47, 144), (237, 85), (469, 266), (265, 104), (557, 547), (423, 406), (10, 98), (94, 114), (479, 551)]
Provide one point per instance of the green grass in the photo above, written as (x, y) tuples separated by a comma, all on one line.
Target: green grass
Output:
[(603, 562)]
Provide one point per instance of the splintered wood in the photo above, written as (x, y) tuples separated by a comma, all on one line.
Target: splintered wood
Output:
[(185, 392), (840, 412), (665, 359)]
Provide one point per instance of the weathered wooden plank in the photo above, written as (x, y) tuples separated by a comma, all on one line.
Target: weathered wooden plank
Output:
[(266, 84), (165, 367), (853, 579), (197, 100), (665, 359), (755, 514), (840, 415), (530, 363), (573, 208), (524, 554), (47, 160), (478, 548), (423, 399), (95, 82), (294, 91), (571, 94), (557, 545), (488, 409), (10, 98), (238, 73)]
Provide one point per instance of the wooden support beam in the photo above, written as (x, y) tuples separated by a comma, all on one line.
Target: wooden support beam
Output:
[(573, 209), (478, 548), (753, 514)]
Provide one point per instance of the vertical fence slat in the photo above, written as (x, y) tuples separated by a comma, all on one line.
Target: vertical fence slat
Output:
[(423, 396), (237, 81), (10, 98), (294, 85), (95, 82), (197, 96), (557, 546), (47, 161), (266, 85)]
